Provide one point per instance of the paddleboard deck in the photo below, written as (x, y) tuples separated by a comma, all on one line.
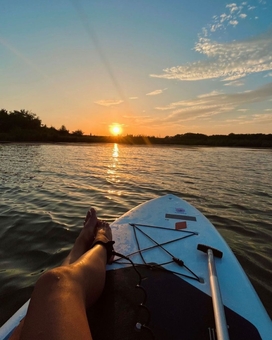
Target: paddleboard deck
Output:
[(161, 288)]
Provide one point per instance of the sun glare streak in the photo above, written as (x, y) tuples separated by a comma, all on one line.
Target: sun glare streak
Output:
[(95, 41), (22, 57)]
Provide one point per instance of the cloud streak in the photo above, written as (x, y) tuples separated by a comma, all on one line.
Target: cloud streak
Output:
[(211, 104), (109, 102), (156, 92), (234, 83)]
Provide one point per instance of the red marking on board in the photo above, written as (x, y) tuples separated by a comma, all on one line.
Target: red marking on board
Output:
[(181, 225)]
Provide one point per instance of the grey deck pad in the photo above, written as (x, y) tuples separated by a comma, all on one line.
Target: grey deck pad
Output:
[(176, 309)]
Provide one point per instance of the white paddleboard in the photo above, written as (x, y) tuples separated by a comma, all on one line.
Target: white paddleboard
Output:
[(169, 296)]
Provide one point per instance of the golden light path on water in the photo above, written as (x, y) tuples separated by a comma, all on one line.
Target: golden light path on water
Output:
[(112, 171)]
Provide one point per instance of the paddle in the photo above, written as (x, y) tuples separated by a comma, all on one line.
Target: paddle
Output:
[(218, 307)]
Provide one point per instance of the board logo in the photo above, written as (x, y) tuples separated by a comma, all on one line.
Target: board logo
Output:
[(180, 210)]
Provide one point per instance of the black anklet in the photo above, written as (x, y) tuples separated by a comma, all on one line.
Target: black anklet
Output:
[(108, 245)]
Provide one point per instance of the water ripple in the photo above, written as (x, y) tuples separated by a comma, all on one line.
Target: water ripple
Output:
[(47, 189)]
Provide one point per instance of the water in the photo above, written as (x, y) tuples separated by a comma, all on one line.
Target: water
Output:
[(45, 191)]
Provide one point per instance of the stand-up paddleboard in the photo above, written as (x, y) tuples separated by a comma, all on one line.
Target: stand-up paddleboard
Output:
[(172, 278)]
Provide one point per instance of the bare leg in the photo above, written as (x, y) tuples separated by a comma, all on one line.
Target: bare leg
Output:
[(82, 244), (58, 304)]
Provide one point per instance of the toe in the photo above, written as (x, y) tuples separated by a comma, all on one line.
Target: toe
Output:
[(91, 213), (87, 216)]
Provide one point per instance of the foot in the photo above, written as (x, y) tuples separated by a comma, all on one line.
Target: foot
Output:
[(89, 230), (103, 230), (104, 237), (85, 238)]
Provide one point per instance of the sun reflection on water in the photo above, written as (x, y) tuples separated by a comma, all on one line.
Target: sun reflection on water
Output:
[(115, 152), (113, 178)]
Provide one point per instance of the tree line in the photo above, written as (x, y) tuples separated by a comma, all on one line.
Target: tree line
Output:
[(25, 126)]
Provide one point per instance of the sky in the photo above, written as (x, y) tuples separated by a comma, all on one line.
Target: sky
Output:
[(153, 68)]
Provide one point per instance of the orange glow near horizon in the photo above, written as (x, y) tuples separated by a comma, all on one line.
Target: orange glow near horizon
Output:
[(115, 129)]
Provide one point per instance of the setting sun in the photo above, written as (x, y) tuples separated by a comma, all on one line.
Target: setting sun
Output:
[(115, 129)]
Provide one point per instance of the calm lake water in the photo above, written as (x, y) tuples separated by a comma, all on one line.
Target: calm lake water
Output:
[(45, 191)]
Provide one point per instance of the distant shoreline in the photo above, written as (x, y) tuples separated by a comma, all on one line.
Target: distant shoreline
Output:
[(25, 126), (187, 139)]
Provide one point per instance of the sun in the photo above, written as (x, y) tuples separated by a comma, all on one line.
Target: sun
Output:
[(115, 129)]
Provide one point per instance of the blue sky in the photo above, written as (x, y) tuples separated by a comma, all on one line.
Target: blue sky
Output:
[(153, 67)]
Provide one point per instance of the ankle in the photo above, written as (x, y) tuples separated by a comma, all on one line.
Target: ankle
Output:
[(102, 240)]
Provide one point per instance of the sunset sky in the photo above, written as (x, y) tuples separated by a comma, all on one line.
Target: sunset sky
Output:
[(153, 67)]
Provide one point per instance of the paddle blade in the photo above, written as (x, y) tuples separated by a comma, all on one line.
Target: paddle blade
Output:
[(204, 248)]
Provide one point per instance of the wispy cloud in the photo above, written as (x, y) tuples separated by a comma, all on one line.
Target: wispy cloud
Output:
[(233, 22), (164, 108), (109, 102), (137, 117), (262, 118), (235, 83), (225, 61), (229, 61), (156, 92), (132, 98), (210, 94), (234, 13), (136, 120), (253, 120), (205, 106)]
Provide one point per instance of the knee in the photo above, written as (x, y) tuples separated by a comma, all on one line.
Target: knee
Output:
[(60, 277)]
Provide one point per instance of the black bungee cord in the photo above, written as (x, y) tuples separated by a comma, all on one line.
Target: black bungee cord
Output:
[(139, 325), (178, 261)]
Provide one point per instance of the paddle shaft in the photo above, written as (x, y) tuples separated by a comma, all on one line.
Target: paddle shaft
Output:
[(218, 308)]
